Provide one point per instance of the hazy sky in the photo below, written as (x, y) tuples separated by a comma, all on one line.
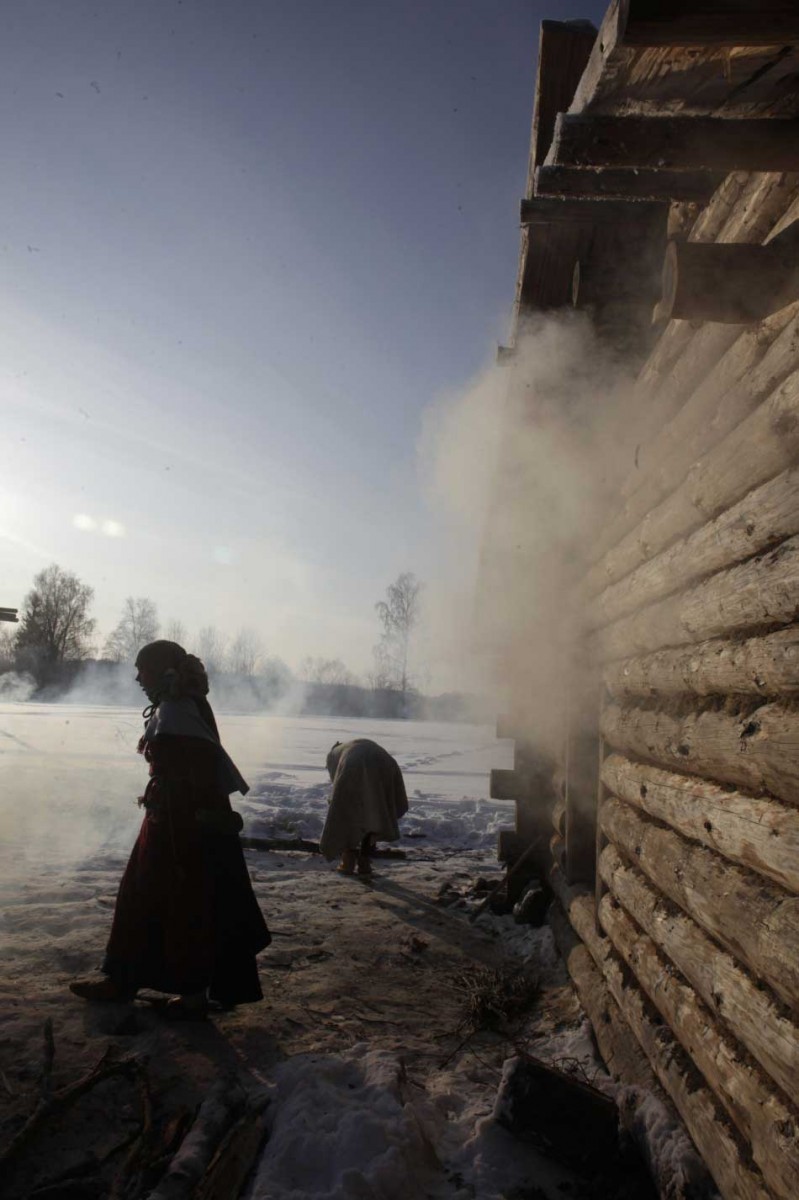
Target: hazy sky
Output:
[(244, 247)]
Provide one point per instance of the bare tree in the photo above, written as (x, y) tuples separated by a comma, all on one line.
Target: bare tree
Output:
[(175, 631), (325, 670), (211, 649), (56, 626), (245, 654), (8, 650), (398, 615), (138, 625)]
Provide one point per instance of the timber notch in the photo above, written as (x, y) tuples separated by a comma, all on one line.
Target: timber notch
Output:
[(662, 202)]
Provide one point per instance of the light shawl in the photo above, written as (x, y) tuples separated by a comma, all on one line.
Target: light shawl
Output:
[(368, 796)]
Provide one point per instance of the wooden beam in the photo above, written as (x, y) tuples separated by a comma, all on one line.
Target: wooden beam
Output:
[(737, 284), (763, 1116), (728, 1162), (716, 894), (543, 210), (753, 1013), (756, 450), (676, 143), (758, 666), (758, 752), (756, 832), (767, 516), (710, 22), (506, 785), (563, 51), (761, 591), (635, 186)]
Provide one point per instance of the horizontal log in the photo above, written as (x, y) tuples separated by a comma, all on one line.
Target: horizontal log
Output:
[(716, 894), (756, 832), (758, 752), (765, 666), (635, 186), (765, 517), (736, 381), (760, 447), (751, 1012), (676, 143), (733, 283), (756, 593), (720, 1147), (765, 1119), (541, 210), (712, 22)]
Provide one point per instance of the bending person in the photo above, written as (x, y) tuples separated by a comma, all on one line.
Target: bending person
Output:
[(186, 919), (366, 804)]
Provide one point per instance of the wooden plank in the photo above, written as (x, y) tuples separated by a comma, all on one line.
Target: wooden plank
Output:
[(767, 516), (716, 894), (675, 143), (710, 22), (563, 52), (765, 1119), (635, 186), (730, 1165), (758, 751), (766, 666), (757, 832), (751, 1012), (539, 210), (753, 594), (698, 409), (760, 447)]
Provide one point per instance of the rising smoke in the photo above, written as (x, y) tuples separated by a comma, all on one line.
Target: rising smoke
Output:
[(520, 465)]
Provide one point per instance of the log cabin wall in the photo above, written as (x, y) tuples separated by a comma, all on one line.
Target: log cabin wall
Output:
[(677, 887)]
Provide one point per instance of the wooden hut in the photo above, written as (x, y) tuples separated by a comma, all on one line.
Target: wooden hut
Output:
[(663, 199)]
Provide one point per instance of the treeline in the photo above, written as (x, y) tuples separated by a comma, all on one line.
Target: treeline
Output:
[(53, 655)]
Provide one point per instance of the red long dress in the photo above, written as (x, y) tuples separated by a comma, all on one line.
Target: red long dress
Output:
[(186, 918)]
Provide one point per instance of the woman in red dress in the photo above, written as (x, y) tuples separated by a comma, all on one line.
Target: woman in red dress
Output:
[(186, 919)]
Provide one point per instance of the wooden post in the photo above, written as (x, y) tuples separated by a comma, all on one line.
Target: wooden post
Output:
[(735, 283), (633, 186), (682, 143)]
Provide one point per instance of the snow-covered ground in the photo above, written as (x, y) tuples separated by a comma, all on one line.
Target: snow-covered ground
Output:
[(70, 776), (373, 1094)]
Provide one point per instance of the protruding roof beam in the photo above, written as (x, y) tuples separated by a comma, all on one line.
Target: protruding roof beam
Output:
[(708, 22), (544, 210), (696, 187), (675, 143)]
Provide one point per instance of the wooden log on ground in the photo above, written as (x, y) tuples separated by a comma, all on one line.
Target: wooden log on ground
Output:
[(766, 517), (634, 186), (767, 1121), (223, 1105), (233, 1161), (308, 847), (674, 143), (708, 1125), (758, 752), (766, 666), (735, 284), (737, 378), (759, 448), (710, 23), (716, 894), (756, 832), (753, 594), (751, 1012), (544, 1106)]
